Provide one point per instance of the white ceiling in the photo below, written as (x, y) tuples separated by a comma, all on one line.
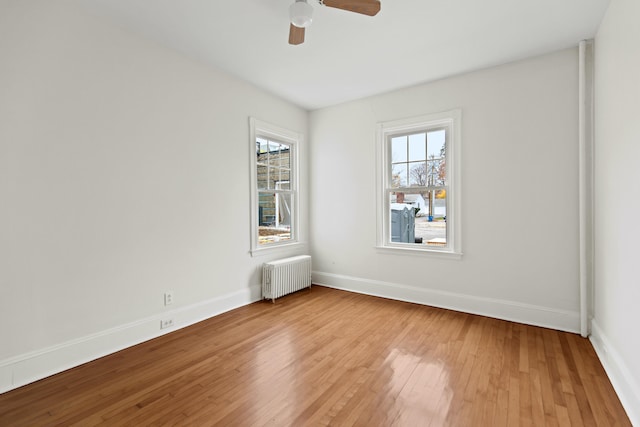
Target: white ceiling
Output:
[(348, 56)]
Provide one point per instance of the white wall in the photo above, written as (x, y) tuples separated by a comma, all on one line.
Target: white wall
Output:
[(617, 178), (519, 149), (124, 172)]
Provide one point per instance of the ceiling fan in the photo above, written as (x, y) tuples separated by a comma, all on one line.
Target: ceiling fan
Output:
[(301, 14)]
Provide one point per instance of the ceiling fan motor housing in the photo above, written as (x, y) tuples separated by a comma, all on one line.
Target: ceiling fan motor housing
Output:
[(301, 13)]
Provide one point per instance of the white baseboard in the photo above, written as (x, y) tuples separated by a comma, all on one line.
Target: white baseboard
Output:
[(27, 368), (562, 320), (626, 387)]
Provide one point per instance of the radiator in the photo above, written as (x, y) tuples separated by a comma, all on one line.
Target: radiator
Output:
[(284, 276)]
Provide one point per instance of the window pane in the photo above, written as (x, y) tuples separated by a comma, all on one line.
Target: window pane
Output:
[(399, 177), (437, 154), (266, 177), (441, 178), (432, 172), (274, 217), (262, 175), (417, 174), (436, 144), (431, 224), (399, 149), (262, 154), (286, 175), (417, 147), (419, 218), (402, 217), (274, 153), (261, 146), (285, 157)]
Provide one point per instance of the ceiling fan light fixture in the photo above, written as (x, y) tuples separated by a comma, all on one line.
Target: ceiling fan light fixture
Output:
[(301, 13)]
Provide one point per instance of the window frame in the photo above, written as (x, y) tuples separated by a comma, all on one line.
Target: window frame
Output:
[(451, 122), (260, 129)]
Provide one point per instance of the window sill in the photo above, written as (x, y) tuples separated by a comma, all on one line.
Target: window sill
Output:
[(429, 253), (276, 249)]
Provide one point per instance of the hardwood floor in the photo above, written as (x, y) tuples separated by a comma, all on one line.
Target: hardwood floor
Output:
[(327, 357)]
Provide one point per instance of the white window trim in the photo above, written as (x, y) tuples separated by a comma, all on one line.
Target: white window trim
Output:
[(452, 121), (259, 128)]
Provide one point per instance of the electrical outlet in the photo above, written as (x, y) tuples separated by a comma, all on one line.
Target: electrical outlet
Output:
[(168, 298), (166, 323)]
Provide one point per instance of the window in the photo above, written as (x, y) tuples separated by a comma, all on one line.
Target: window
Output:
[(418, 184), (274, 198)]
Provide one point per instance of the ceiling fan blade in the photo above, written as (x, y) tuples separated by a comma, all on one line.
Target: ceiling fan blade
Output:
[(365, 7), (296, 34)]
